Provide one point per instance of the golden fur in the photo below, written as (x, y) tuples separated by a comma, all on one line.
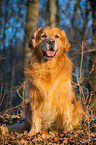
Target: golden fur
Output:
[(51, 96)]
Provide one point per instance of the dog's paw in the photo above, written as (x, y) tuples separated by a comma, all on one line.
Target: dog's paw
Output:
[(3, 130), (31, 133)]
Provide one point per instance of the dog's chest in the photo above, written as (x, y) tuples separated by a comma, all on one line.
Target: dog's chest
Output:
[(46, 77), (48, 83)]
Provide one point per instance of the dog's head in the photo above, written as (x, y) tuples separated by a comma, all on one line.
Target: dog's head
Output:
[(49, 41)]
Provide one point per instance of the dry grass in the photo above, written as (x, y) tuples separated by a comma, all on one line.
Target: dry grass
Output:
[(85, 134)]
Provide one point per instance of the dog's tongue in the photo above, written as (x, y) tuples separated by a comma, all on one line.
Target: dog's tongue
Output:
[(50, 53)]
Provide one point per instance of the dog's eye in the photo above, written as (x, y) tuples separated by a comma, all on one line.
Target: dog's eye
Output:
[(43, 36), (56, 36)]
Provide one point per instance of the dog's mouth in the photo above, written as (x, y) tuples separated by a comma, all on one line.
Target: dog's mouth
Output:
[(50, 53)]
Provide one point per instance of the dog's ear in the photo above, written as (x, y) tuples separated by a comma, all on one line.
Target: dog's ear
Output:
[(32, 42), (65, 41)]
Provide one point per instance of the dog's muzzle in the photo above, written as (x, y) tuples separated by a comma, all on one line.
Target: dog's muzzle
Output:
[(51, 52)]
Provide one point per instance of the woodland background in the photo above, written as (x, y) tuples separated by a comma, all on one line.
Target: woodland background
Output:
[(20, 18)]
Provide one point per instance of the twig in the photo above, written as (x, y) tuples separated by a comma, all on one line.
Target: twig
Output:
[(2, 95), (17, 90), (81, 63), (90, 99), (88, 130), (92, 69), (12, 108), (84, 52), (3, 98), (1, 90), (1, 57)]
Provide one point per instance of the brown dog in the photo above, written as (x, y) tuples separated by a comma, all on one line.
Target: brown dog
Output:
[(52, 99)]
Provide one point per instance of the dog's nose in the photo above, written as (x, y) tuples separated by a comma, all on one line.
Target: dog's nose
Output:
[(51, 42)]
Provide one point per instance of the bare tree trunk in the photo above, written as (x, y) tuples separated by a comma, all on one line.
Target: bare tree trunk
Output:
[(0, 16), (58, 14), (12, 80), (31, 24), (47, 13), (0, 8), (92, 81), (52, 13)]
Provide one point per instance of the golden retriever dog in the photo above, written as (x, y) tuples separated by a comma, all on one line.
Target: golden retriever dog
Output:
[(52, 98)]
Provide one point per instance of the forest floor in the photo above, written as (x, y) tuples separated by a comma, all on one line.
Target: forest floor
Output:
[(85, 134)]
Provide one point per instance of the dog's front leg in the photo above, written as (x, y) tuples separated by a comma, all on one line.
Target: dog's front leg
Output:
[(36, 124), (68, 110), (36, 100)]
